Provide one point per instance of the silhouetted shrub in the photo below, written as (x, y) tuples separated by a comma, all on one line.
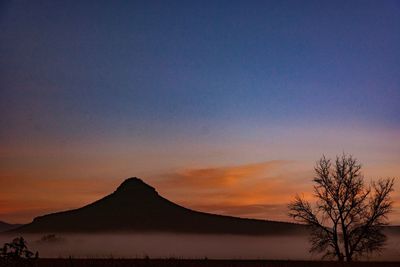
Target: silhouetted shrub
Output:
[(50, 238), (17, 253)]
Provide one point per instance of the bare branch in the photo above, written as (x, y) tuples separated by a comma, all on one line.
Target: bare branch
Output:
[(348, 216)]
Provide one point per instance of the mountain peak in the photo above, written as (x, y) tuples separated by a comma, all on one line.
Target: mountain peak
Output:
[(135, 185), (137, 207)]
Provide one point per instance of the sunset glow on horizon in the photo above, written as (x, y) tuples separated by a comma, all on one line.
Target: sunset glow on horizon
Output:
[(221, 106)]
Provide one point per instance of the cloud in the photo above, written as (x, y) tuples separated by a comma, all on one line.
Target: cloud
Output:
[(259, 190), (218, 176), (250, 190)]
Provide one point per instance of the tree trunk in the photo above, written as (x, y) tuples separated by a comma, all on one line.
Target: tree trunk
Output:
[(345, 238)]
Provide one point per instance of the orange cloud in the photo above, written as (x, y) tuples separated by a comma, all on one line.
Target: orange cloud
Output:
[(251, 190), (218, 176), (260, 190)]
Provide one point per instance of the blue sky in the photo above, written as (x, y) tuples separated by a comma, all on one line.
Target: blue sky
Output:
[(102, 63), (216, 82)]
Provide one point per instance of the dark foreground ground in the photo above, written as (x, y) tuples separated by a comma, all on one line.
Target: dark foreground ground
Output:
[(193, 263)]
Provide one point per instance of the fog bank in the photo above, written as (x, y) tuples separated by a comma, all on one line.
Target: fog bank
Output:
[(182, 246)]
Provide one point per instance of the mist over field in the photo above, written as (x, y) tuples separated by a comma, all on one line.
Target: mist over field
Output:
[(183, 246)]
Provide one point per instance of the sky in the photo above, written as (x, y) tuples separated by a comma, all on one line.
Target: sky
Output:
[(223, 106)]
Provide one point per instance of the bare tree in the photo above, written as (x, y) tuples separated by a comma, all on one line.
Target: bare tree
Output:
[(348, 217)]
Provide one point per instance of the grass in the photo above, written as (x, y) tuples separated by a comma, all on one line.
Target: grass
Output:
[(199, 263)]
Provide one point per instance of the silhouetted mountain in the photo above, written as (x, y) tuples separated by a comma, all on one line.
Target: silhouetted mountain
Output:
[(6, 226), (137, 207)]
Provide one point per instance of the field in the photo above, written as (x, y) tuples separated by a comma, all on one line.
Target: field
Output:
[(200, 263)]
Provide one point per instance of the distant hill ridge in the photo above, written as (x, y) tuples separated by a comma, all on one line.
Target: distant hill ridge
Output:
[(7, 226), (137, 207)]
